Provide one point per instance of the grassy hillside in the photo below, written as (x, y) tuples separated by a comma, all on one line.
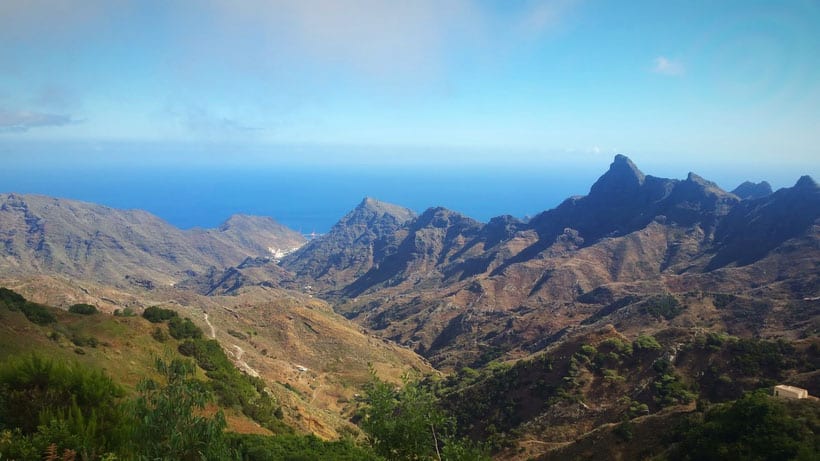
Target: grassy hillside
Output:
[(313, 361)]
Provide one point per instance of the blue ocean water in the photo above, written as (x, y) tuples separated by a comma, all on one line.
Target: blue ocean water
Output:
[(306, 198)]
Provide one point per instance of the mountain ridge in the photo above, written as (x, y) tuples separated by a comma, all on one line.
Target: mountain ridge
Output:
[(80, 239)]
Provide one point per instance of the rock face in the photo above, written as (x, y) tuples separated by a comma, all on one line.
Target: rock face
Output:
[(457, 290), (350, 248), (122, 247)]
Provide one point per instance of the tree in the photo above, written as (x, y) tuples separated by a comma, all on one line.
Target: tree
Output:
[(156, 314), (167, 426), (83, 309), (407, 424), (755, 427), (47, 402)]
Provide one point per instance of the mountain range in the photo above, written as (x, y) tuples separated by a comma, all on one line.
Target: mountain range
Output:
[(525, 302)]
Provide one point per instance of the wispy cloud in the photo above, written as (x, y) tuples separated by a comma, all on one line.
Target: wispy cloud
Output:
[(21, 121), (666, 66)]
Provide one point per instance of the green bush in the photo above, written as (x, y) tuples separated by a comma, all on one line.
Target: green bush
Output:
[(666, 306), (297, 448), (44, 401), (83, 309), (10, 299), (755, 427), (167, 423), (408, 424), (670, 390), (183, 328), (646, 343), (35, 313), (156, 314), (232, 387)]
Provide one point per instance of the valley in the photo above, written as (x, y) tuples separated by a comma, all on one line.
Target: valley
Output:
[(646, 303)]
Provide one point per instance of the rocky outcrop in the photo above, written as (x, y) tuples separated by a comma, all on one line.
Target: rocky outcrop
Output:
[(349, 250)]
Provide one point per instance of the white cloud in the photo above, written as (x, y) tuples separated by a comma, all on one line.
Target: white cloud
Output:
[(666, 66)]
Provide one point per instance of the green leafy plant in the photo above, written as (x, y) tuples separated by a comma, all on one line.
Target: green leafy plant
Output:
[(83, 309), (156, 314)]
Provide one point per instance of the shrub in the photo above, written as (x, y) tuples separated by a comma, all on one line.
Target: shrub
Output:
[(183, 328), (46, 401), (666, 306), (156, 314), (408, 424), (297, 448), (167, 420), (625, 431), (11, 299), (670, 390), (646, 343), (83, 309), (755, 427)]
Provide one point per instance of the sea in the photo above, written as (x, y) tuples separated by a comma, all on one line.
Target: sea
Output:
[(310, 195), (310, 199)]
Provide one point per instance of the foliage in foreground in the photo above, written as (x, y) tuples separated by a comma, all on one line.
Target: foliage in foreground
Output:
[(54, 410), (297, 448), (755, 427), (44, 402), (409, 424)]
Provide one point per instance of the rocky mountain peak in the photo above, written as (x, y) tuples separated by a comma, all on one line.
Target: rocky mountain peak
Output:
[(805, 182), (749, 190), (623, 177), (372, 206)]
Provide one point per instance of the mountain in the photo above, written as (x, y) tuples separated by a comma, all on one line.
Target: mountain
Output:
[(123, 247), (255, 235), (350, 248), (461, 292), (757, 226), (750, 190), (564, 336)]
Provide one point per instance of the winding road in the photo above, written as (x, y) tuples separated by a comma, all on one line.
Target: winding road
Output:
[(237, 355)]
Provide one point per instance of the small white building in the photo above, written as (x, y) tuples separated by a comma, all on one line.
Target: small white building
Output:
[(790, 392)]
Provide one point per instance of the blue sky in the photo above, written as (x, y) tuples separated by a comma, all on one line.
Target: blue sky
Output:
[(701, 84)]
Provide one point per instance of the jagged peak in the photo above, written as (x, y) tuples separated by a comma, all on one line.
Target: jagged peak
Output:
[(701, 181), (377, 206), (622, 176), (692, 177), (805, 182), (750, 190), (439, 216)]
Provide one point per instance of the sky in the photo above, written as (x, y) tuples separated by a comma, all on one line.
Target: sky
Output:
[(676, 85)]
